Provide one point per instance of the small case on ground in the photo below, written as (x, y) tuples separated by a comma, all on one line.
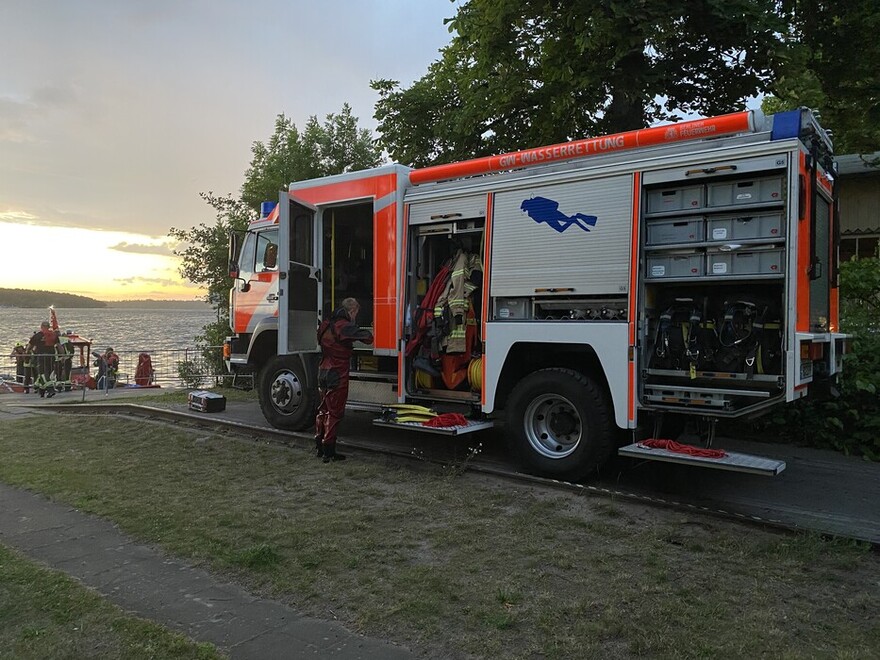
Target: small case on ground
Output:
[(203, 401)]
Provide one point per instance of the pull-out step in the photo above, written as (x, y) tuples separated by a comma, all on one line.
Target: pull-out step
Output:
[(416, 417), (471, 426), (733, 461)]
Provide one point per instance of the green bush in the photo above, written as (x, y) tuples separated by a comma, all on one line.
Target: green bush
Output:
[(190, 374), (849, 423), (212, 336)]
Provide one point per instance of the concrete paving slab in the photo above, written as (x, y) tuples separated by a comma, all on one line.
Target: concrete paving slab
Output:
[(316, 633), (16, 518), (234, 634), (321, 641), (32, 534)]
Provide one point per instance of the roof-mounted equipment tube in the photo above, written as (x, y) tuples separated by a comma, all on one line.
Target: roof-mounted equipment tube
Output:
[(738, 122)]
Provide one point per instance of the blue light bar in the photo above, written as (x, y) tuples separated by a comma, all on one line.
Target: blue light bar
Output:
[(786, 125)]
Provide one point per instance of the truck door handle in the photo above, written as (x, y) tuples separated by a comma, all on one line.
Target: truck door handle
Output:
[(272, 297)]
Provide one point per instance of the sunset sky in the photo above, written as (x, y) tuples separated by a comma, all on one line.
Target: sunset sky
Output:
[(114, 115)]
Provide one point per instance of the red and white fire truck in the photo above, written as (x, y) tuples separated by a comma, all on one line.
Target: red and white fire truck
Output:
[(580, 292)]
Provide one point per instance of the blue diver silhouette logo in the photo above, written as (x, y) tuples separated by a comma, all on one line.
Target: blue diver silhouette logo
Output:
[(541, 209)]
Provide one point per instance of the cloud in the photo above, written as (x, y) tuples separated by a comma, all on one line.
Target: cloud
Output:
[(19, 115), (161, 281), (17, 216), (141, 248), (54, 96), (14, 120)]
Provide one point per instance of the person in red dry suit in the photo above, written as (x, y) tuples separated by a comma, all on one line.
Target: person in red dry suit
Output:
[(42, 345), (336, 336)]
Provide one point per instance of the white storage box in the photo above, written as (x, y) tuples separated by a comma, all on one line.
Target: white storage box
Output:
[(742, 227), (742, 262), (750, 191), (675, 199), (675, 230), (675, 264)]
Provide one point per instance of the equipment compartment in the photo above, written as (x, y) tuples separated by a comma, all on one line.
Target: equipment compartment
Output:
[(443, 353), (745, 227), (713, 347)]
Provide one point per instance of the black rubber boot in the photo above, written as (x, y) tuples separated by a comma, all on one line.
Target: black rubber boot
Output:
[(319, 448), (331, 455)]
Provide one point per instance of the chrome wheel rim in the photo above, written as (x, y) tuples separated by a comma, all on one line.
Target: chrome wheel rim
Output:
[(553, 426), (287, 392)]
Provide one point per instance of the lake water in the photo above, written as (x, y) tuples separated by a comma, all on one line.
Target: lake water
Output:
[(123, 329)]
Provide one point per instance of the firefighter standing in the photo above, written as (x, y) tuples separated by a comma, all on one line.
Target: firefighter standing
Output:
[(108, 365), (22, 366), (42, 347), (64, 361), (336, 336)]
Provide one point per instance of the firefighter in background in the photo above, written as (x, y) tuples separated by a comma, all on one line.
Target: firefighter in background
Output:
[(42, 349), (64, 361), (336, 336), (22, 366), (108, 365), (143, 374)]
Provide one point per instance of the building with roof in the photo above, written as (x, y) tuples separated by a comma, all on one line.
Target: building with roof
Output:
[(859, 205)]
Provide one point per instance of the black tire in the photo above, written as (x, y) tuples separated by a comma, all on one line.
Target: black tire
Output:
[(559, 424), (286, 399)]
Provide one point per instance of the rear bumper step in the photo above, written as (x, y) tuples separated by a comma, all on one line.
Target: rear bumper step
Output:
[(732, 461)]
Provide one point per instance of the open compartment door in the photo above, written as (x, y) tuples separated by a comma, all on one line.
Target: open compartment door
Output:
[(298, 307)]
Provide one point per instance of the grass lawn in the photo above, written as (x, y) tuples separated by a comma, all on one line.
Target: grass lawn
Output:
[(174, 396), (455, 564), (45, 614)]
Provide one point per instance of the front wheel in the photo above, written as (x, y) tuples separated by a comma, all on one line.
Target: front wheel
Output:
[(286, 399), (559, 423)]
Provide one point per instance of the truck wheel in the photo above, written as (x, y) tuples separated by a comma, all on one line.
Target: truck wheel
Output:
[(286, 399), (559, 423)]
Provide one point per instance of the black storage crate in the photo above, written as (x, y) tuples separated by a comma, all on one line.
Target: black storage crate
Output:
[(203, 401)]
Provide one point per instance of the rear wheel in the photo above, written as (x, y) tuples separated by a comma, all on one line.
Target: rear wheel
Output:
[(286, 399), (559, 423)]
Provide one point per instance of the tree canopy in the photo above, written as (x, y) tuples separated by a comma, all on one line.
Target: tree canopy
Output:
[(203, 249), (334, 146), (832, 64), (521, 73)]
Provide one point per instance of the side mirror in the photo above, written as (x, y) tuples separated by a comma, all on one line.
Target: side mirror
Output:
[(233, 270)]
